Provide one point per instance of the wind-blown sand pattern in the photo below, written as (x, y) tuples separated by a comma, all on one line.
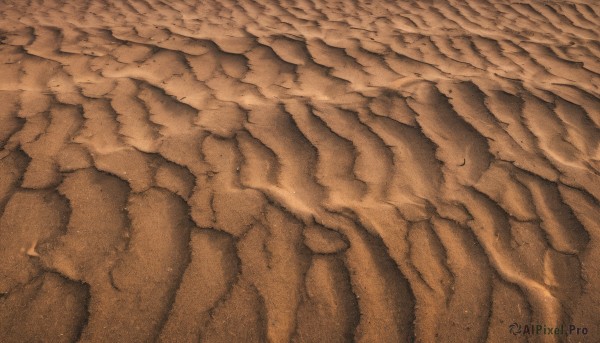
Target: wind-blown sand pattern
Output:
[(298, 170)]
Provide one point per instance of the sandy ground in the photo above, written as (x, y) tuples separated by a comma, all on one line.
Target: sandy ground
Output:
[(299, 170)]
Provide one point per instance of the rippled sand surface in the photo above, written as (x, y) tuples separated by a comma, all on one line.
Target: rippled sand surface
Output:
[(298, 170)]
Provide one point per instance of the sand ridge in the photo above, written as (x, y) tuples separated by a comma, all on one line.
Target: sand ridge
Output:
[(298, 170)]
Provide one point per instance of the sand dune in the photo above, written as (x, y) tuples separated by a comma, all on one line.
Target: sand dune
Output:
[(299, 170)]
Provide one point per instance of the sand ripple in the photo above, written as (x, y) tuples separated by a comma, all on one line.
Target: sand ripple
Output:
[(298, 170)]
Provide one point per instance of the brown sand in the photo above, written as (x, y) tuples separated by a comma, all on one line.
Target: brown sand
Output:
[(299, 170)]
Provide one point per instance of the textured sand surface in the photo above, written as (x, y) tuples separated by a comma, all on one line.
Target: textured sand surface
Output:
[(298, 170)]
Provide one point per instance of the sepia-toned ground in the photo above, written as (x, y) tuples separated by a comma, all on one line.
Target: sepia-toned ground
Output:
[(299, 170)]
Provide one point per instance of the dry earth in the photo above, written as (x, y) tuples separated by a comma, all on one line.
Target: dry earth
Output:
[(298, 170)]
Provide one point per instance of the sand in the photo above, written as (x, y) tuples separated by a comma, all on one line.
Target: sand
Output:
[(299, 170)]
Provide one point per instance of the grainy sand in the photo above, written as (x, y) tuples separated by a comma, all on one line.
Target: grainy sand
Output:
[(298, 170)]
